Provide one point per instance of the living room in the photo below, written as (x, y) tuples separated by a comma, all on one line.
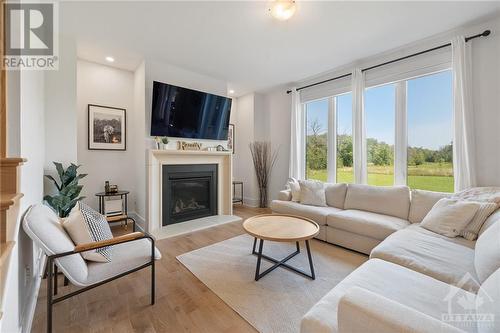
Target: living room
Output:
[(274, 166)]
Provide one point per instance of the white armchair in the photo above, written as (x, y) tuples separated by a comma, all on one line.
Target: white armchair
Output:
[(131, 252)]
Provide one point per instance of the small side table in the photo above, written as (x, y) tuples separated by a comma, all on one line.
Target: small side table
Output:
[(237, 199), (116, 218)]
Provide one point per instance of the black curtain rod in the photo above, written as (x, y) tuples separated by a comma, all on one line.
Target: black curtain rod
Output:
[(483, 34)]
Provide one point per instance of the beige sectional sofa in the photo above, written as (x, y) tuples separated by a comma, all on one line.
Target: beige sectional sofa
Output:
[(416, 280)]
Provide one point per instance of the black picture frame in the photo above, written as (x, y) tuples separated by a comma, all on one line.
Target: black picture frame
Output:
[(113, 114)]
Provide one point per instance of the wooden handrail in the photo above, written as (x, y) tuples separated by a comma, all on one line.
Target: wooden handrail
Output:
[(108, 242)]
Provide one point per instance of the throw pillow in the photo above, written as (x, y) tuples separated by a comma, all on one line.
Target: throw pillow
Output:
[(484, 211), (312, 193), (294, 186), (85, 225), (449, 217)]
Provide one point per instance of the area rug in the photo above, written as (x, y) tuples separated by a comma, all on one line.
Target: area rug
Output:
[(277, 302)]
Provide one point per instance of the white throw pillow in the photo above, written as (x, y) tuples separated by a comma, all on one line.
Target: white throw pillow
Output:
[(294, 186), (312, 193), (472, 229), (422, 202), (449, 217), (85, 225)]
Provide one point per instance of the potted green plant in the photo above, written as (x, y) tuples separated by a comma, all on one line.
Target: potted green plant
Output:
[(68, 189), (164, 141)]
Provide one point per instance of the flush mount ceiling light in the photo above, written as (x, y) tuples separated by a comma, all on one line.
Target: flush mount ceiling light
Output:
[(110, 59), (282, 9), (231, 91)]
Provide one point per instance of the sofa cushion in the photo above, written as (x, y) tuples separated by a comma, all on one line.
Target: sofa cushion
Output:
[(394, 282), (369, 224), (449, 217), (335, 194), (472, 229), (317, 214), (387, 200), (490, 221), (487, 254), (312, 192), (487, 301), (431, 254), (422, 202)]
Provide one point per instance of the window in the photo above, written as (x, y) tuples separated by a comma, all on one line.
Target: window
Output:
[(345, 173), (316, 139), (430, 132), (380, 132)]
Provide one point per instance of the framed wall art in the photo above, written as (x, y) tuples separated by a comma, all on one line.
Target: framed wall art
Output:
[(107, 128)]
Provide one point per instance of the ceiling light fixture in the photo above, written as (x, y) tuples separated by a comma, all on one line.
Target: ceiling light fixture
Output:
[(231, 91), (282, 9), (110, 59)]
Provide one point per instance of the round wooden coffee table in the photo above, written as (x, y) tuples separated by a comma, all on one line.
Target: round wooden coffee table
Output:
[(281, 228)]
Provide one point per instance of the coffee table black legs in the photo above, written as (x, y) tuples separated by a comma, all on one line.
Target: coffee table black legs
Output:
[(282, 262)]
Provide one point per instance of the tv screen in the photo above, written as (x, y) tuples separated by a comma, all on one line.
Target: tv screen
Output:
[(186, 113)]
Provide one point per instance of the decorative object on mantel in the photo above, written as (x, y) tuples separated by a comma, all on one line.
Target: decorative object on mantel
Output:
[(68, 189), (183, 145), (221, 148), (161, 142), (230, 138), (263, 160), (107, 128)]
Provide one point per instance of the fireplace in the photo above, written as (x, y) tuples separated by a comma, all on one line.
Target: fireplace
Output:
[(189, 191)]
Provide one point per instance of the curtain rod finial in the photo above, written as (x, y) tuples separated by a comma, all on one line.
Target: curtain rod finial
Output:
[(486, 33), (288, 91)]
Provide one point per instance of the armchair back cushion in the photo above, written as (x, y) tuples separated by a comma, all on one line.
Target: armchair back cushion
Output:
[(388, 200), (42, 225), (335, 194), (487, 252)]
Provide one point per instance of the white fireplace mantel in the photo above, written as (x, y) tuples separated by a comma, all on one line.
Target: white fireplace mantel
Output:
[(158, 158)]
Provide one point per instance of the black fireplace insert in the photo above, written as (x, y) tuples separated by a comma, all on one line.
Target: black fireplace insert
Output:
[(189, 191)]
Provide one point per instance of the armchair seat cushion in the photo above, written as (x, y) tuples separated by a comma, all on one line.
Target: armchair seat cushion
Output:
[(369, 224), (126, 256)]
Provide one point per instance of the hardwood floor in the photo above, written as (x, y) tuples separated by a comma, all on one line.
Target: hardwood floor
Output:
[(183, 303)]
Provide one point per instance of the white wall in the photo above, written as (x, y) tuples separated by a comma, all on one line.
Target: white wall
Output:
[(107, 86), (278, 105), (21, 286), (139, 121), (486, 96), (60, 106), (156, 71), (243, 119)]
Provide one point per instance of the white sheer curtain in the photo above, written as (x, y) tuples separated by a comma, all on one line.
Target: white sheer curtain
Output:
[(358, 127), (298, 141), (463, 131)]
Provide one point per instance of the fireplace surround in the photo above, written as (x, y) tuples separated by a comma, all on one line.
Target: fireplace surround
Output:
[(154, 210), (189, 191)]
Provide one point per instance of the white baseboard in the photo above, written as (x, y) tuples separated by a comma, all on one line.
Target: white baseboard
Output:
[(250, 202), (29, 311)]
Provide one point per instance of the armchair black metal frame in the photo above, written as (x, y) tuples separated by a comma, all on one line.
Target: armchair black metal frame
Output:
[(52, 273)]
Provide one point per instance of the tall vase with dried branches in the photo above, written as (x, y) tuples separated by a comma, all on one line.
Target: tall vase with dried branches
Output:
[(263, 158)]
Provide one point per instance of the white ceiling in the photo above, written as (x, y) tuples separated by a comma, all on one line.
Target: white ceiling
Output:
[(239, 42)]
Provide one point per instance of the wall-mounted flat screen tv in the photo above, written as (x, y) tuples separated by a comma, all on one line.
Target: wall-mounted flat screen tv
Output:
[(186, 113)]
